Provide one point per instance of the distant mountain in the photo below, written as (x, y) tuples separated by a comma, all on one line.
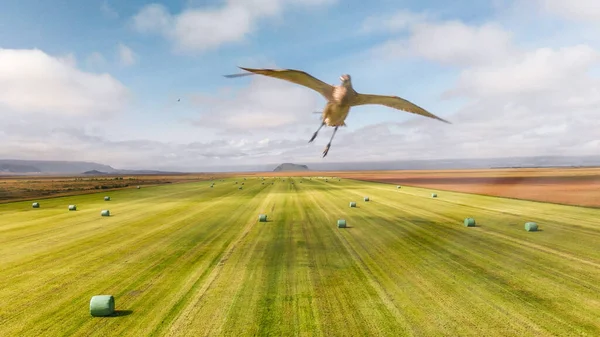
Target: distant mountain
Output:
[(56, 167), (94, 172), (17, 168), (291, 167), (13, 166)]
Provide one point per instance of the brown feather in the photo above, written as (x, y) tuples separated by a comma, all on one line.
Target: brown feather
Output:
[(298, 77), (393, 102)]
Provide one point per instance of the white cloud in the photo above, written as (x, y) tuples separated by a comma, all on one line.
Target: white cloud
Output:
[(577, 10), (126, 55), (522, 101), (265, 105), (553, 71), (32, 81), (200, 30), (451, 42), (108, 10), (394, 22)]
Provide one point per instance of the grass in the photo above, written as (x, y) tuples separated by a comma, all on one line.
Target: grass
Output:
[(190, 260)]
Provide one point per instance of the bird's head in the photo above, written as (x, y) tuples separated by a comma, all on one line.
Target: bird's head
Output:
[(345, 79)]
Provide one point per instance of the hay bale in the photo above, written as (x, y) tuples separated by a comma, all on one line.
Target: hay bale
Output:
[(469, 222), (72, 208), (105, 212), (531, 226), (239, 188), (366, 198), (433, 195), (107, 198), (398, 187), (138, 187), (35, 205), (341, 223), (102, 305), (352, 204), (262, 218)]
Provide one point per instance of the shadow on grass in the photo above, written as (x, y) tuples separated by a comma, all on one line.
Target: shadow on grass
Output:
[(120, 313)]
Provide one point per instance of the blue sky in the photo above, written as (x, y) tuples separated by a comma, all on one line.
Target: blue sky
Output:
[(99, 80)]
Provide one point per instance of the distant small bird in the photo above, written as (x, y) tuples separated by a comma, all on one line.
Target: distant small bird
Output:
[(179, 99), (340, 98)]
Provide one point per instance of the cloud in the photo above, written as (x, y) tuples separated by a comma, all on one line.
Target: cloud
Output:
[(576, 10), (521, 101), (108, 10), (199, 30), (450, 43), (394, 22), (32, 81), (126, 55), (544, 70), (265, 105)]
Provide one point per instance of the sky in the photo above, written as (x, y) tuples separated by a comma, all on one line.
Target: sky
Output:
[(139, 84)]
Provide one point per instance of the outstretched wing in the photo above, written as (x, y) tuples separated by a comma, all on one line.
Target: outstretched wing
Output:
[(393, 102), (294, 76)]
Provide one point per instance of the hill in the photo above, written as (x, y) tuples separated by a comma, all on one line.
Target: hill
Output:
[(291, 167)]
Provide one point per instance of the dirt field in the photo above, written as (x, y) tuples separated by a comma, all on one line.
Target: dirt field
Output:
[(580, 187)]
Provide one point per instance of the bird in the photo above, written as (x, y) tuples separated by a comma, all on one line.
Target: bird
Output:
[(340, 98)]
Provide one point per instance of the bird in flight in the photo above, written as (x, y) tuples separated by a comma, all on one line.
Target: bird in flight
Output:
[(340, 98)]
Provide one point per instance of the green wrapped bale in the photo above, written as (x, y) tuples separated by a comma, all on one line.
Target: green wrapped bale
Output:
[(531, 226), (102, 305), (341, 223), (35, 205), (433, 195), (105, 212), (262, 218), (352, 204), (366, 198), (72, 208), (106, 198), (469, 222)]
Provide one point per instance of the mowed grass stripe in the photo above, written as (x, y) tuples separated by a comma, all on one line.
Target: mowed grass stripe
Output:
[(207, 308), (570, 230), (347, 300), (60, 237), (524, 257), (107, 263), (197, 262)]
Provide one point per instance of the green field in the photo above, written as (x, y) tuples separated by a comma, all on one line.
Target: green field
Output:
[(189, 260)]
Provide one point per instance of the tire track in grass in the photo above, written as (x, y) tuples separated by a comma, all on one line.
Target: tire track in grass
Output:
[(182, 322), (557, 252), (550, 313), (258, 304), (421, 284), (96, 256), (58, 233), (114, 265), (359, 317)]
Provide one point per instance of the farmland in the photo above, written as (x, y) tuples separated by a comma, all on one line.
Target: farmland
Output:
[(189, 260), (574, 186)]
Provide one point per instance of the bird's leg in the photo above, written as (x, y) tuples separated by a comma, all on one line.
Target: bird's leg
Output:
[(329, 144), (316, 132)]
